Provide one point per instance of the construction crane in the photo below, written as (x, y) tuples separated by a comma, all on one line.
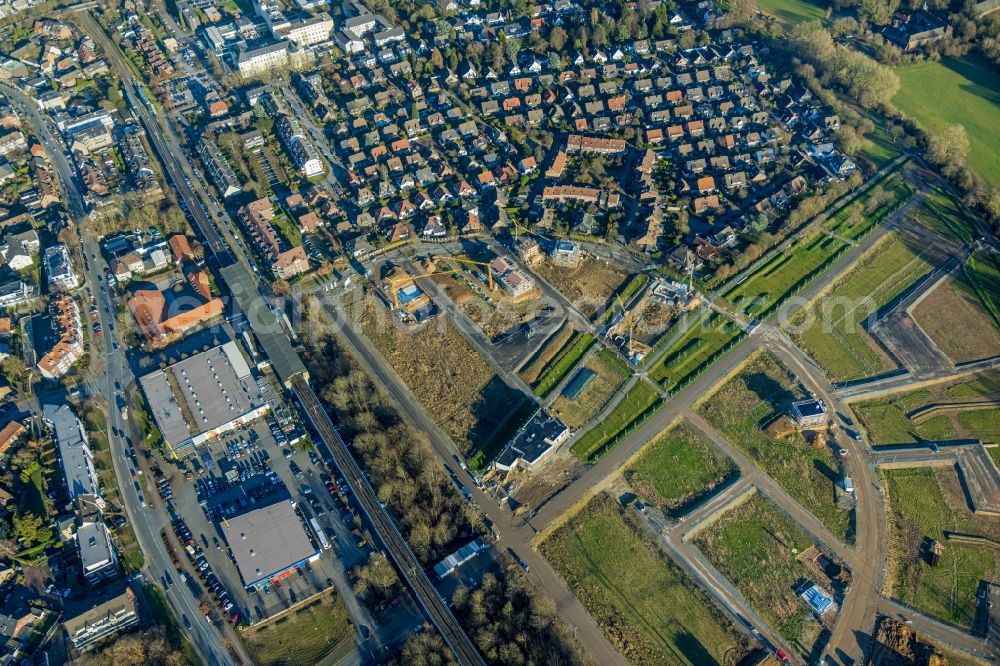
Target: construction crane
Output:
[(689, 269), (489, 269), (524, 229)]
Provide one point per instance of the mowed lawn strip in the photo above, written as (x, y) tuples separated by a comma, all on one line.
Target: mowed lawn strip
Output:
[(939, 212), (836, 339), (639, 400), (679, 468), (707, 336), (540, 359), (565, 360), (755, 547), (954, 91), (871, 208), (762, 391), (786, 272), (918, 514), (649, 610)]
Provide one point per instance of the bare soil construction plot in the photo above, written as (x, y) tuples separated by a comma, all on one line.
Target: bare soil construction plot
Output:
[(588, 286), (953, 317)]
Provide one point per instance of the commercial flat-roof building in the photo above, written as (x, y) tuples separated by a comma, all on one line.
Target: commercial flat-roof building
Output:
[(203, 396), (267, 543), (809, 413)]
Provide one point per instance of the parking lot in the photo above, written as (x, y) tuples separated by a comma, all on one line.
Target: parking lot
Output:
[(251, 467)]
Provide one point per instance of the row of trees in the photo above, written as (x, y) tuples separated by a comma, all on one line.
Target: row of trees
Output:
[(507, 620)]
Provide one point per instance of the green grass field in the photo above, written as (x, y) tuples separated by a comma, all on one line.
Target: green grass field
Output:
[(755, 547), (794, 11), (887, 420), (304, 637), (918, 514), (679, 468), (708, 334), (562, 363), (648, 608), (785, 273), (830, 328), (807, 257), (879, 147), (953, 91), (762, 391), (640, 399), (870, 209)]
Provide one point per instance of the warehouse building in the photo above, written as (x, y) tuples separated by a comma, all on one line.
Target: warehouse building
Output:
[(268, 543), (203, 396)]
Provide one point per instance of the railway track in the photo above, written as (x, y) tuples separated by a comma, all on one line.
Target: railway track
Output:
[(406, 562)]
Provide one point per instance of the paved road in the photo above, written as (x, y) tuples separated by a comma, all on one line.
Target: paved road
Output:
[(116, 373), (48, 134)]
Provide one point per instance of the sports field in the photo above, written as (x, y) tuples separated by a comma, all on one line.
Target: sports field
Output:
[(647, 607), (830, 328), (919, 513), (679, 468), (963, 91), (747, 409), (794, 11)]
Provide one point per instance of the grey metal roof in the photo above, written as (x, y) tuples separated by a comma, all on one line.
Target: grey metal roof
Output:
[(267, 541), (201, 393), (266, 328)]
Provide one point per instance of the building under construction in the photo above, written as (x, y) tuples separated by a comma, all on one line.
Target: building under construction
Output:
[(406, 297)]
